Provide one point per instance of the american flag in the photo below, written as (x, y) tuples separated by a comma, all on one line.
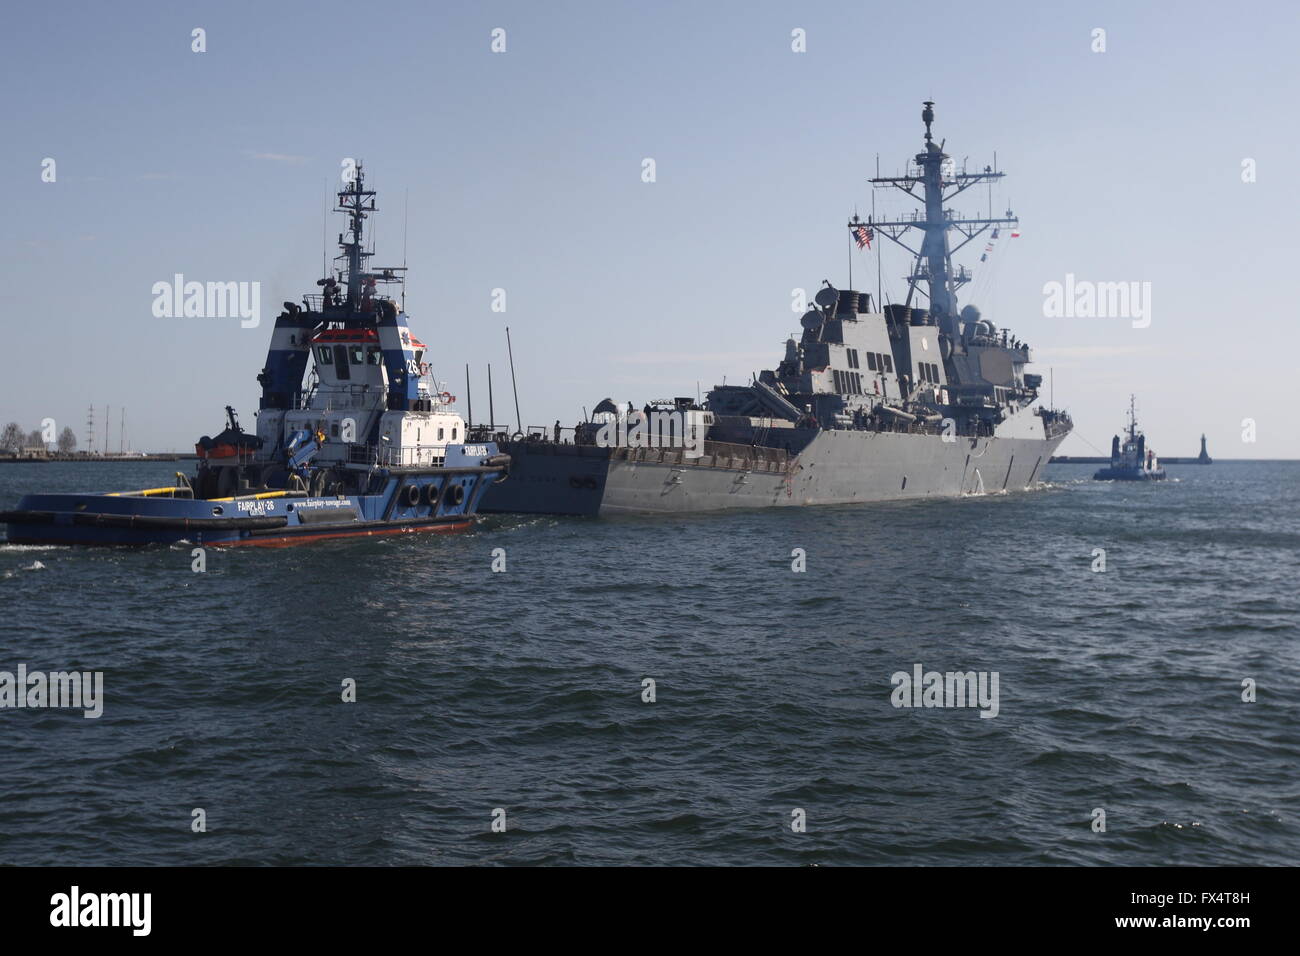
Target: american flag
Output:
[(864, 235)]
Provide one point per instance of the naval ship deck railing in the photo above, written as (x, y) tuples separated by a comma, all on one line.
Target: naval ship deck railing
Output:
[(714, 454), (384, 456)]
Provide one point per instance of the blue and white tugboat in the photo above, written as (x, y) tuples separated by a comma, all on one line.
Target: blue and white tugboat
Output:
[(365, 446), (1133, 461)]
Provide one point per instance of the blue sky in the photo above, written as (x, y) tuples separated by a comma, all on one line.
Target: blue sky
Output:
[(523, 171)]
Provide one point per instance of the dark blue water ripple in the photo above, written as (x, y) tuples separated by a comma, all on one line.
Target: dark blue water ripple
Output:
[(522, 690)]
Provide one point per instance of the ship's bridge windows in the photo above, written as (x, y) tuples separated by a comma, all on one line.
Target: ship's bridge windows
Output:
[(889, 363), (439, 434), (374, 356), (419, 356), (325, 355), (853, 358), (871, 362), (358, 354), (341, 362)]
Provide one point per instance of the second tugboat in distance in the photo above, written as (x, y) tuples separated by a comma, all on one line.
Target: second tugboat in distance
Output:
[(1132, 460), (869, 404)]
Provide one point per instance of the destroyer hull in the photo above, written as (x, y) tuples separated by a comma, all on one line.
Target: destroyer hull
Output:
[(837, 467)]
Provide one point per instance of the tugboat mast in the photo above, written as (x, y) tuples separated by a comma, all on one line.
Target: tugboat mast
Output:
[(353, 202), (933, 260), (357, 202)]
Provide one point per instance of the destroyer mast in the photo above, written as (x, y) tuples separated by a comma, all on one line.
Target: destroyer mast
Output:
[(933, 260)]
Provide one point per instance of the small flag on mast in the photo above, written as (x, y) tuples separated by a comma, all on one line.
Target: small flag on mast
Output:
[(864, 235)]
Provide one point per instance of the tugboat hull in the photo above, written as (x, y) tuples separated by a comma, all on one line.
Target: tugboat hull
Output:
[(1129, 474), (439, 501)]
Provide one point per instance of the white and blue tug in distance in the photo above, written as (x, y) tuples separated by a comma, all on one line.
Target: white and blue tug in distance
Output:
[(361, 445)]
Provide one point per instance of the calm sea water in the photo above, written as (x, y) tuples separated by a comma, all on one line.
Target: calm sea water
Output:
[(522, 690)]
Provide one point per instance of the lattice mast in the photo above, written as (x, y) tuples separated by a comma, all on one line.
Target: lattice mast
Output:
[(930, 186)]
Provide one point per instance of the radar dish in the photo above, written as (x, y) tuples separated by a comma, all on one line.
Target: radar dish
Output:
[(826, 297)]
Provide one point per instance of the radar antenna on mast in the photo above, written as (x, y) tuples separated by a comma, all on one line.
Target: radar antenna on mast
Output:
[(358, 203), (933, 185)]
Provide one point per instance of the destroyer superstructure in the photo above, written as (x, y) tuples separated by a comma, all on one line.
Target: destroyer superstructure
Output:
[(366, 445), (913, 399)]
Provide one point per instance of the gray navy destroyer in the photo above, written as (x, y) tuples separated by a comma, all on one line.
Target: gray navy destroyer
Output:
[(912, 400)]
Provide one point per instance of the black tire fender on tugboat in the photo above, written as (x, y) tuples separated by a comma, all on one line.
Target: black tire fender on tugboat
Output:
[(454, 494), (411, 495), (430, 494)]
